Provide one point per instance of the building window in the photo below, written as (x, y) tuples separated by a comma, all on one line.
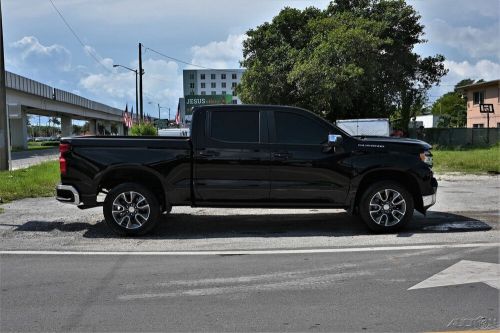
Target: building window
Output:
[(212, 76), (234, 84), (192, 92), (202, 76), (234, 92), (478, 97), (498, 125), (203, 93), (213, 85), (191, 76), (203, 84), (478, 126), (223, 76), (214, 93), (223, 92), (191, 85), (234, 76), (235, 101), (223, 84)]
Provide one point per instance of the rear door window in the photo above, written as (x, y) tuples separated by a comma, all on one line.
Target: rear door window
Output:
[(235, 126)]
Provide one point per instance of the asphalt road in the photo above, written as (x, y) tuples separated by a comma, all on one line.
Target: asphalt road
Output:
[(254, 270)]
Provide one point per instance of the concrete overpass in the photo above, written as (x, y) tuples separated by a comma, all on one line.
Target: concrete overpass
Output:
[(26, 96)]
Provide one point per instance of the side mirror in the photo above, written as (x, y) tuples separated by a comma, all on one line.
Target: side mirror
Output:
[(334, 140)]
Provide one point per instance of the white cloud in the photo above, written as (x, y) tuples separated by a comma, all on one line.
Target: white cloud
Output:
[(482, 69), (32, 50), (162, 84), (477, 42), (220, 54)]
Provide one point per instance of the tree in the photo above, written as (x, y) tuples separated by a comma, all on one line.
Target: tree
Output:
[(76, 129), (452, 107), (353, 59), (86, 127), (114, 129)]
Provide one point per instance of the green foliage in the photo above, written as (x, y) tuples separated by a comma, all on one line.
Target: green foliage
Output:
[(452, 108), (76, 129), (353, 59), (36, 181), (143, 129), (50, 144)]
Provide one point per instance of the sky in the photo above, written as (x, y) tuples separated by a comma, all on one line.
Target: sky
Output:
[(39, 45)]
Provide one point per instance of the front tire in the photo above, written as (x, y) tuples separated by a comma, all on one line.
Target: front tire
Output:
[(131, 209), (386, 206)]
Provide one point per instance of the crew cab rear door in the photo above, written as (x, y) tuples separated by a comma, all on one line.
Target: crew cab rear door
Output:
[(231, 161)]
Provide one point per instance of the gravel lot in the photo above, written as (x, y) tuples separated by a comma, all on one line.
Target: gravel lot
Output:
[(466, 211)]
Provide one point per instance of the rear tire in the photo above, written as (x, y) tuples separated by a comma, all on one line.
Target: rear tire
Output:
[(131, 209), (386, 206)]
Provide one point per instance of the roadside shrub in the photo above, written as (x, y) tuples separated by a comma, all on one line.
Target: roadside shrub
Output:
[(144, 129), (50, 143)]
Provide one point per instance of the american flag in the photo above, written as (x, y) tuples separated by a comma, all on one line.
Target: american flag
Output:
[(178, 115), (127, 119)]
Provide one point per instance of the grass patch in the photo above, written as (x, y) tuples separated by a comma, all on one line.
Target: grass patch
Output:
[(36, 181), (38, 146), (468, 160)]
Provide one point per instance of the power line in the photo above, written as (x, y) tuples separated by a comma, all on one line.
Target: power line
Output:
[(89, 51), (175, 59)]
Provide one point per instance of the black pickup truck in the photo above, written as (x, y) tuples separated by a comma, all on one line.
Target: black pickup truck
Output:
[(248, 156)]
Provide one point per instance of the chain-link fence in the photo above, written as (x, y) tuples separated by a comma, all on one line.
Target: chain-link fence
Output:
[(457, 136)]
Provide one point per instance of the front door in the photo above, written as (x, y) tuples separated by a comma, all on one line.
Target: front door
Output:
[(232, 164), (304, 171)]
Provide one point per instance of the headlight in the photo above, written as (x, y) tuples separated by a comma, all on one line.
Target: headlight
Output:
[(426, 157)]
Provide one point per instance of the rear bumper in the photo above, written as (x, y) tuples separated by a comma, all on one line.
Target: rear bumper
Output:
[(67, 194)]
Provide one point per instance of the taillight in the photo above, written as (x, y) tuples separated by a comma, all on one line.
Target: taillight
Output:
[(63, 148)]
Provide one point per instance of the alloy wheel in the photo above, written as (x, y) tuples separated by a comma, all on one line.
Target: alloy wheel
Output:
[(130, 210), (387, 207)]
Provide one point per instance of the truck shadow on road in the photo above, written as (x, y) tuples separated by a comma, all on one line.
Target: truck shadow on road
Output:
[(186, 226)]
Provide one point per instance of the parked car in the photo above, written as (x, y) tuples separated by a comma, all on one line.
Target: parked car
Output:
[(248, 156)]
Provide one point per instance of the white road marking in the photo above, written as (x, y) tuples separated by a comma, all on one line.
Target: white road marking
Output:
[(465, 271), (250, 252)]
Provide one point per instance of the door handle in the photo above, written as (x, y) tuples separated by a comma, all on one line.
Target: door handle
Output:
[(207, 153), (281, 156)]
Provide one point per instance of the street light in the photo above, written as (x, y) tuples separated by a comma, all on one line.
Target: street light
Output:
[(159, 117), (136, 90)]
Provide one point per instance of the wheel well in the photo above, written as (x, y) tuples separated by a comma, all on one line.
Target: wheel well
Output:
[(149, 180), (406, 180)]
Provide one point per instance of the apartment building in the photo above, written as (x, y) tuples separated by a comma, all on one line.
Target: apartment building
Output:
[(212, 82), (482, 93)]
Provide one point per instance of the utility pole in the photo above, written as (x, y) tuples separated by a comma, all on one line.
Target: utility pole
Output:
[(4, 114), (136, 95), (141, 117)]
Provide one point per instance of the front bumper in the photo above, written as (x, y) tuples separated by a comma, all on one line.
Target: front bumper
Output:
[(429, 200), (67, 194)]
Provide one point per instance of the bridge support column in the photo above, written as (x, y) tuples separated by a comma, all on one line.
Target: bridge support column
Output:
[(120, 128), (18, 126), (66, 129), (92, 127)]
